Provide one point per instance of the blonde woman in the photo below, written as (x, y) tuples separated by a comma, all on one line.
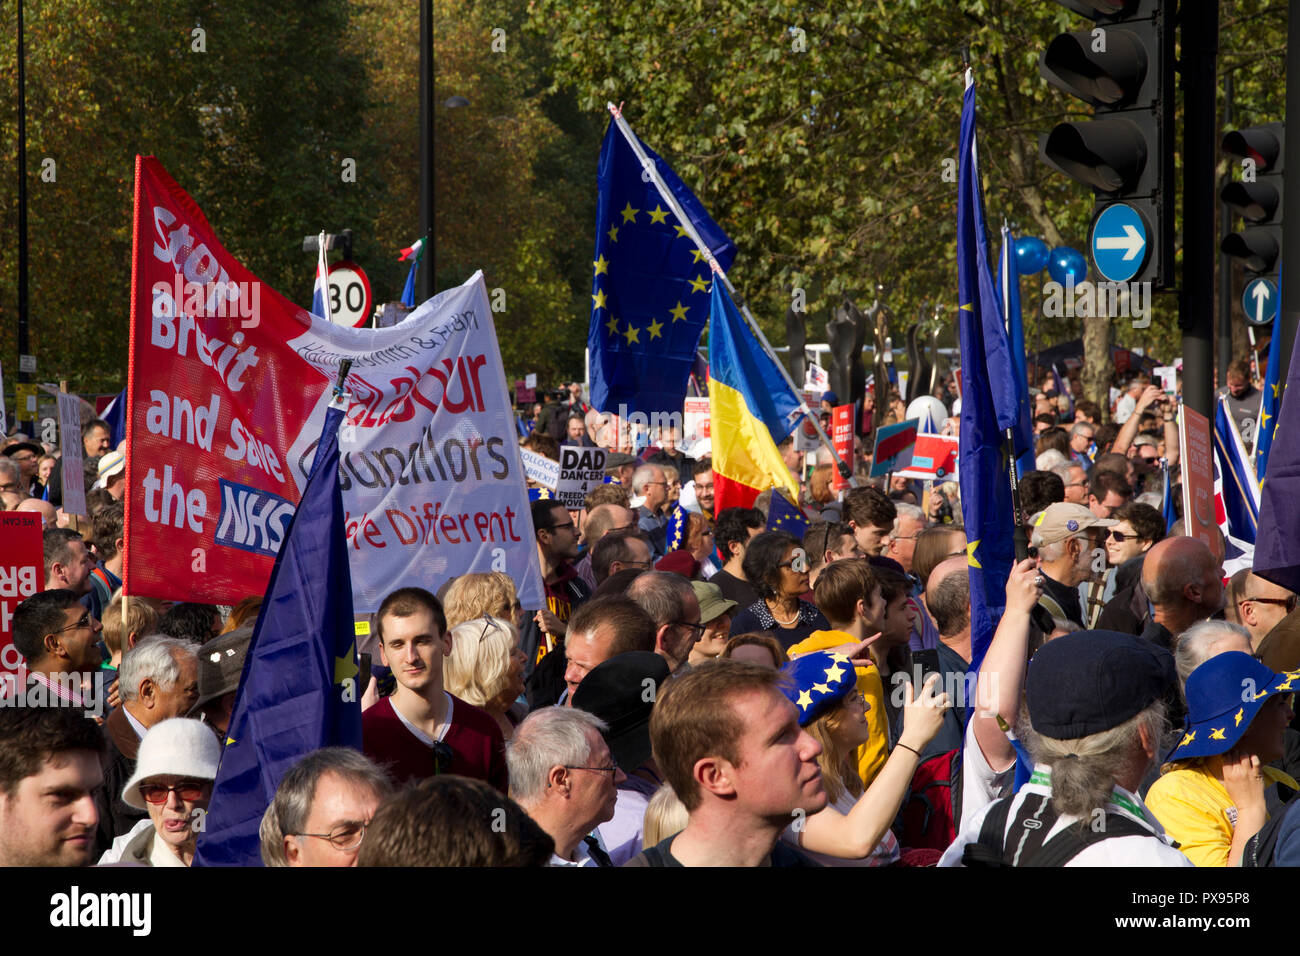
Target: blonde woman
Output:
[(489, 593), (665, 815), (853, 829), (486, 668)]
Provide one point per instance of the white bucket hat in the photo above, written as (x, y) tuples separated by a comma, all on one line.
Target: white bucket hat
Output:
[(178, 747)]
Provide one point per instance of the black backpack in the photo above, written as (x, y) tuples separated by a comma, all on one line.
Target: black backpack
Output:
[(1026, 842)]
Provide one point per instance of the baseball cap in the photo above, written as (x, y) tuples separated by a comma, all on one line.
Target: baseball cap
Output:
[(1064, 520)]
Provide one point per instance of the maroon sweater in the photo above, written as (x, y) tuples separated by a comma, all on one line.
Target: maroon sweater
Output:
[(474, 737)]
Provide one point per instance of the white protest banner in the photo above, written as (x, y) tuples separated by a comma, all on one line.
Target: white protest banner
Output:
[(431, 476), (539, 468), (74, 476), (580, 469)]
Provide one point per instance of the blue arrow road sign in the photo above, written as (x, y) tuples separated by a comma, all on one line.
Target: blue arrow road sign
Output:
[(1259, 301), (1119, 242)]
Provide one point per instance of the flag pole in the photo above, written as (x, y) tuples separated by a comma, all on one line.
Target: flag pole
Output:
[(648, 168), (1008, 439)]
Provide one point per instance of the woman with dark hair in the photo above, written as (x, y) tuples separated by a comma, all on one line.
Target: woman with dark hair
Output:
[(776, 565)]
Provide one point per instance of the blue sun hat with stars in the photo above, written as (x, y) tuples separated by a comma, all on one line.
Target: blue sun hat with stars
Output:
[(817, 683), (1223, 696)]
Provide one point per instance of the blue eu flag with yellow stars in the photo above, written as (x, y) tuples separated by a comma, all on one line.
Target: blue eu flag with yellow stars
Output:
[(783, 516), (299, 689), (650, 284), (988, 404)]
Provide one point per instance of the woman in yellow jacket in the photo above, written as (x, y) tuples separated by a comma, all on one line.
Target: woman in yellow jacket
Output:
[(1210, 797)]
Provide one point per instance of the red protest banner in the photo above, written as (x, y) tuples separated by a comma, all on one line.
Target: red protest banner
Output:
[(842, 436), (210, 390), (22, 574)]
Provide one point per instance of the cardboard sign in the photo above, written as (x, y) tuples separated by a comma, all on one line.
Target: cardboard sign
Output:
[(22, 574), (74, 476), (523, 394), (540, 469), (580, 470), (842, 436), (695, 422), (893, 449), (805, 435), (934, 458), (1199, 520)]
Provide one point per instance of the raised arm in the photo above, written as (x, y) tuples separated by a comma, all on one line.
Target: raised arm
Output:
[(1001, 679)]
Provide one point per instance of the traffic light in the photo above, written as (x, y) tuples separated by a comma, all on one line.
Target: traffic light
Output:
[(1256, 197), (1123, 68)]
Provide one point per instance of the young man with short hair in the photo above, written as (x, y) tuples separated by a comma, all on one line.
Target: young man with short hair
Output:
[(732, 533), (729, 743), (49, 768), (421, 730)]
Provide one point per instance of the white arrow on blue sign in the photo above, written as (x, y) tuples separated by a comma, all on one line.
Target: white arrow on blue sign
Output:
[(1259, 301), (1119, 242)]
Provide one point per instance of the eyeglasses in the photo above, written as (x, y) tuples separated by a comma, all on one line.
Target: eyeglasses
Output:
[(697, 629), (798, 562), (1289, 602), (345, 836), (187, 790), (84, 621), (609, 770), (559, 527)]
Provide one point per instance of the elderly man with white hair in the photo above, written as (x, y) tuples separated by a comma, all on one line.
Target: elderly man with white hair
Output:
[(650, 491), (562, 774), (158, 680)]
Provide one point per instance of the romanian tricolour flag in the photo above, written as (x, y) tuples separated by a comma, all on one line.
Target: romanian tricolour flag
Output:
[(989, 404), (751, 408)]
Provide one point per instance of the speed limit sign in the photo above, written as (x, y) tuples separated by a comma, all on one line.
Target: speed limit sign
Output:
[(349, 292)]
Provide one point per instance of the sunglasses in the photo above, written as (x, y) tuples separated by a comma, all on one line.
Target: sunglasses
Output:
[(798, 562), (83, 621), (1120, 536), (488, 625), (188, 790)]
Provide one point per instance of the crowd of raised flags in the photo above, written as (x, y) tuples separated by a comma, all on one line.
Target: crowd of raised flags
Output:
[(659, 282)]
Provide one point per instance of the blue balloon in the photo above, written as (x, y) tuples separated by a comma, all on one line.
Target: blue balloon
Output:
[(1067, 262), (1031, 255)]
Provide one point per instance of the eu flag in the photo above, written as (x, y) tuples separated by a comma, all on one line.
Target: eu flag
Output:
[(298, 691), (650, 284), (783, 516), (1277, 544), (1272, 399), (989, 403)]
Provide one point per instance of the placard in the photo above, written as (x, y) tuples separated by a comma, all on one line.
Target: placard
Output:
[(74, 475), (539, 468), (1199, 520), (580, 469), (842, 436), (22, 574)]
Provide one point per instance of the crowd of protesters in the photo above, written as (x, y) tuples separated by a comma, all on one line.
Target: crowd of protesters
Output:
[(702, 688)]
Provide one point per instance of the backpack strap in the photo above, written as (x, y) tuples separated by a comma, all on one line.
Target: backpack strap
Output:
[(1029, 830), (1073, 840), (987, 850)]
